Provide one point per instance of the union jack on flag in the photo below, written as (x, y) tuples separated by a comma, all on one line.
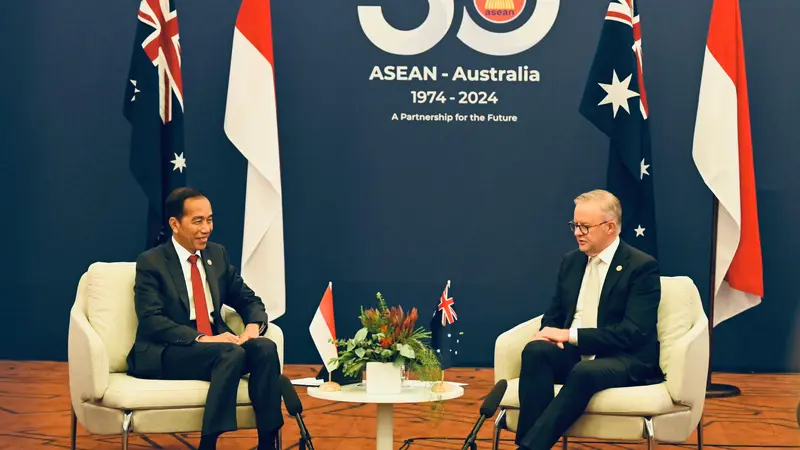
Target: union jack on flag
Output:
[(615, 101), (446, 307), (445, 337), (154, 107)]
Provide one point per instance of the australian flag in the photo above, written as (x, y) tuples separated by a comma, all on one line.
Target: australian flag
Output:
[(154, 107), (445, 337), (615, 102)]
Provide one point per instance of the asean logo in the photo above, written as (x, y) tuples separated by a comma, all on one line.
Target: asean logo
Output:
[(441, 16), (499, 11)]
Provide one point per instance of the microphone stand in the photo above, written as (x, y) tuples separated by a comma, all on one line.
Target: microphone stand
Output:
[(469, 443), (305, 439)]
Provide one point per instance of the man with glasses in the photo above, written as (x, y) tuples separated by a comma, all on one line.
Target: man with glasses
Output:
[(599, 332)]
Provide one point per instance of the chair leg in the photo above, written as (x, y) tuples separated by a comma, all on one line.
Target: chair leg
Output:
[(650, 432), (279, 440), (73, 429), (126, 427), (700, 434), (564, 442), (498, 427)]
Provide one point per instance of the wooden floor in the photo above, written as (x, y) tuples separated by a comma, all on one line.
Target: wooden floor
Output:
[(35, 414)]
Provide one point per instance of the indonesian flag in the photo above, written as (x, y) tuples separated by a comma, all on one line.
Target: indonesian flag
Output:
[(252, 126), (723, 154), (323, 328)]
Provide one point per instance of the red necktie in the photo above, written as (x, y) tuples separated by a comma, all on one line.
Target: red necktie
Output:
[(199, 294)]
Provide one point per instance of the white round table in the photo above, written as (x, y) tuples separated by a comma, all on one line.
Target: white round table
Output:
[(413, 391)]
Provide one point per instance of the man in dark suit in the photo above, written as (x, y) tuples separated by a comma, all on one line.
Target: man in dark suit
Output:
[(599, 331), (179, 292)]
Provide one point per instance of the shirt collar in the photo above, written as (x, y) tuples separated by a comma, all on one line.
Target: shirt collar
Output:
[(606, 255), (183, 254)]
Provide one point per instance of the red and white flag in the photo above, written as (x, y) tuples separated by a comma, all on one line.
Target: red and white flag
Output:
[(251, 124), (723, 154), (323, 328)]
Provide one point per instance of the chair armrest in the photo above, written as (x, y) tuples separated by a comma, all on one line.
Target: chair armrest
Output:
[(687, 374), (232, 319), (87, 360), (235, 323), (508, 349)]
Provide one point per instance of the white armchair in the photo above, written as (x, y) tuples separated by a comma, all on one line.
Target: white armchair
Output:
[(665, 412), (105, 400)]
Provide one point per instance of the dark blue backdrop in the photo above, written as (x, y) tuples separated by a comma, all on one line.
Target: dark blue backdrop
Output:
[(374, 205)]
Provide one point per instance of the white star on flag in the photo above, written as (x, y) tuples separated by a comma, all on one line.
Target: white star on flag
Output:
[(639, 231), (643, 168), (617, 93), (135, 90), (179, 163)]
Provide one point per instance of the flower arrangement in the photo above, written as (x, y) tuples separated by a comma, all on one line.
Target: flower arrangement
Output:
[(388, 336)]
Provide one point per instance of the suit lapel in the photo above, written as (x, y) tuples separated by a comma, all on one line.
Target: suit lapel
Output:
[(175, 270), (619, 260), (211, 277), (573, 285)]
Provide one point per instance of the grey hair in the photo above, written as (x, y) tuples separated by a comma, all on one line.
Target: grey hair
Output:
[(609, 203)]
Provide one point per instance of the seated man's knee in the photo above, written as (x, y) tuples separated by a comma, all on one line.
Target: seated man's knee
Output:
[(267, 345), (537, 349), (261, 348), (584, 374), (231, 352)]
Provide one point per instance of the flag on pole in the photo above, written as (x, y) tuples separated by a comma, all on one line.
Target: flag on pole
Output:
[(323, 328), (445, 335), (615, 101), (252, 126), (723, 154), (154, 107)]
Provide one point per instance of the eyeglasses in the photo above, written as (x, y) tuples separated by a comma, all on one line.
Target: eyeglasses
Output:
[(584, 229)]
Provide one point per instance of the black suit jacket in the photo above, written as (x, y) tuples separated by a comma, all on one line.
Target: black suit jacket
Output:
[(627, 314), (162, 303)]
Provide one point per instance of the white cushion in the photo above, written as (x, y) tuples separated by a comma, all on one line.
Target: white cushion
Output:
[(675, 314), (110, 309), (126, 392), (652, 400)]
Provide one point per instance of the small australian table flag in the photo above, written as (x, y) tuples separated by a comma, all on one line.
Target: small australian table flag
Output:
[(445, 337)]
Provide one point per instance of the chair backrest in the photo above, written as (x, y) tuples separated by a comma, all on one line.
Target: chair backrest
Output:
[(679, 309), (110, 309)]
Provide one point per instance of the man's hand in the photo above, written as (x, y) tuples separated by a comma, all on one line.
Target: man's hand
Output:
[(555, 335), (250, 332), (224, 337)]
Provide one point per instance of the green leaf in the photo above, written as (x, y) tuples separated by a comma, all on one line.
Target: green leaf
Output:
[(360, 352), (360, 335), (406, 350), (386, 353), (399, 361), (350, 346), (334, 363)]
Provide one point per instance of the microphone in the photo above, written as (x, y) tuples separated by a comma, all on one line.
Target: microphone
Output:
[(295, 409), (488, 408)]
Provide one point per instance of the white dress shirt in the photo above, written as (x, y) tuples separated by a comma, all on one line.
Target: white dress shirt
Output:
[(186, 266), (604, 262)]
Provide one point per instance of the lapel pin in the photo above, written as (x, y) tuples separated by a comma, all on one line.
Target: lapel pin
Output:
[(619, 268), (208, 261)]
